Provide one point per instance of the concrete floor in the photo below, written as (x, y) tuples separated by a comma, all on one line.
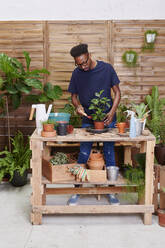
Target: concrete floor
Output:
[(80, 231)]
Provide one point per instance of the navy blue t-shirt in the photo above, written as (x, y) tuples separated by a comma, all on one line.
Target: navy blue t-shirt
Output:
[(86, 83)]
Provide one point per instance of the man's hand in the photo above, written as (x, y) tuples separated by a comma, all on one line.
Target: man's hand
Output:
[(80, 110), (108, 118)]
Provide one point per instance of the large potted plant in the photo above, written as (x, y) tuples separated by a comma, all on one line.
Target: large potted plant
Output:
[(98, 106), (160, 148), (16, 162)]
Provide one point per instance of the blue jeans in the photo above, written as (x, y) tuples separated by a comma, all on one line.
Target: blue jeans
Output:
[(108, 149)]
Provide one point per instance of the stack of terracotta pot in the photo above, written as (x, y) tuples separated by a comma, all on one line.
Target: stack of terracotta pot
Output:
[(96, 160)]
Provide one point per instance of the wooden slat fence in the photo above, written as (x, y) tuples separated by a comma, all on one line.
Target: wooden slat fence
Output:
[(49, 43)]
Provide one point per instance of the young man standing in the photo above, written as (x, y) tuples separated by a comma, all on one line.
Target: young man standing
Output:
[(89, 77)]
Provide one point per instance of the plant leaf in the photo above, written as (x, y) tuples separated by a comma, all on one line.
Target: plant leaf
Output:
[(35, 83), (16, 100), (28, 60)]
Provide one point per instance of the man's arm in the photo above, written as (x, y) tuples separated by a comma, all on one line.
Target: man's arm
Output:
[(76, 103), (117, 93)]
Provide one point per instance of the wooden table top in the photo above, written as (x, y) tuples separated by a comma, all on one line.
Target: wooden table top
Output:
[(80, 135)]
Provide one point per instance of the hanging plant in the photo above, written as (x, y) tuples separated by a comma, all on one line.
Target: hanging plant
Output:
[(149, 38), (130, 58)]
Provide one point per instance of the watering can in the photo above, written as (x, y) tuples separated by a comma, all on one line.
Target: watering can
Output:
[(41, 115)]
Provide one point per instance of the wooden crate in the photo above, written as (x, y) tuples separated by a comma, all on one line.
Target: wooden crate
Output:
[(61, 174)]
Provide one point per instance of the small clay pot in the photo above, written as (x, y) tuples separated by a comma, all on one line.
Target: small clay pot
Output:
[(96, 164), (48, 127), (99, 125), (70, 129), (95, 155), (121, 127)]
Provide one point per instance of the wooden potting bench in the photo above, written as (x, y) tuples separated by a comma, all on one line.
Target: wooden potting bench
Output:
[(41, 149)]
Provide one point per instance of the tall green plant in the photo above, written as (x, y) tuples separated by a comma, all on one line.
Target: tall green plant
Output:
[(18, 159), (156, 107), (17, 80)]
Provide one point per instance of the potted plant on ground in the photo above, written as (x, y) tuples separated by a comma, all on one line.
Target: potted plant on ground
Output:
[(156, 107), (160, 148), (16, 162), (161, 213), (98, 106)]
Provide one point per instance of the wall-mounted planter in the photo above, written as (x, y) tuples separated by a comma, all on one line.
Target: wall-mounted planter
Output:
[(130, 58), (150, 38)]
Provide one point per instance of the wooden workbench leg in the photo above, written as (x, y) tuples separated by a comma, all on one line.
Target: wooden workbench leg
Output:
[(127, 155), (149, 179), (143, 147), (36, 180), (44, 195), (46, 151)]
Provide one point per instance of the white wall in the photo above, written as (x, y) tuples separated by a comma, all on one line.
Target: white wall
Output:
[(81, 9)]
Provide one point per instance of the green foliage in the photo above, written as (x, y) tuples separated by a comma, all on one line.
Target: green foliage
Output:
[(130, 58), (48, 122), (149, 46), (17, 159), (136, 175), (156, 107), (98, 106), (15, 80), (162, 130), (75, 120), (59, 158), (120, 113), (141, 110)]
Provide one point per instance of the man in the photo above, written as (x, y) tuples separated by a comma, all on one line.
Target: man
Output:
[(90, 77)]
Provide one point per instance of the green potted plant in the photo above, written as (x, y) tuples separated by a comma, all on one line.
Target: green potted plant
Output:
[(16, 162), (149, 38), (48, 126), (156, 107), (98, 106), (75, 119), (130, 58), (135, 176), (160, 148), (141, 113)]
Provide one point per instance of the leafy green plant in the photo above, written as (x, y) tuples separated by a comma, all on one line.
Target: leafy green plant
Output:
[(141, 110), (59, 158), (16, 80), (162, 130), (16, 160), (135, 176), (156, 107), (98, 106), (120, 113), (48, 122), (75, 119), (130, 58)]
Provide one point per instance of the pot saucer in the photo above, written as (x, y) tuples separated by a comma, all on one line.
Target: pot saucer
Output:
[(93, 130)]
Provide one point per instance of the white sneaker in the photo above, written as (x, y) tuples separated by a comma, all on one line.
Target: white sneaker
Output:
[(73, 201), (112, 199)]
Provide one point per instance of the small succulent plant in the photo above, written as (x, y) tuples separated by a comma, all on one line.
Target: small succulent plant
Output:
[(59, 158)]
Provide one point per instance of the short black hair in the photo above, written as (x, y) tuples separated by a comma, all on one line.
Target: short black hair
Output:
[(79, 50)]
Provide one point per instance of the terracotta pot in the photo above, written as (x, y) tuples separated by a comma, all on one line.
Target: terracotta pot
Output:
[(99, 124), (160, 154), (96, 164), (121, 127), (48, 127), (95, 155), (161, 216)]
